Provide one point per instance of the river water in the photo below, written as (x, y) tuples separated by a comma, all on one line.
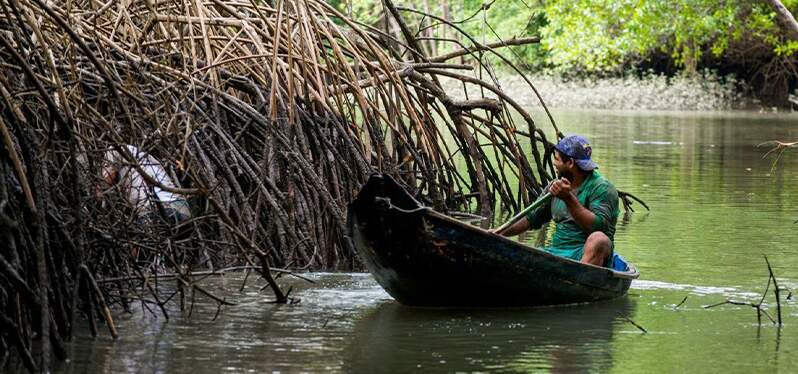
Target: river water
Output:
[(717, 208)]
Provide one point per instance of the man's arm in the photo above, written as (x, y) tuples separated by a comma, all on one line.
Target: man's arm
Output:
[(583, 217), (533, 220), (520, 226)]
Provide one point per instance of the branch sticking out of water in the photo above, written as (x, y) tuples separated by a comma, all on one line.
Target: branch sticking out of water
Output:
[(778, 150), (220, 272), (627, 199), (680, 303), (758, 306), (634, 323), (775, 290)]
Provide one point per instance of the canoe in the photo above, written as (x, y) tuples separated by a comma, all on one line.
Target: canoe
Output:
[(424, 258)]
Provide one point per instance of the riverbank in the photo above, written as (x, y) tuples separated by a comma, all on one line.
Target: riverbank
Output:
[(706, 92)]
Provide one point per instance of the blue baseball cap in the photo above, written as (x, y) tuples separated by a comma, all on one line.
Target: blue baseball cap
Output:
[(579, 149)]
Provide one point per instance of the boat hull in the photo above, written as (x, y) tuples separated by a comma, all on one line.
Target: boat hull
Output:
[(424, 258)]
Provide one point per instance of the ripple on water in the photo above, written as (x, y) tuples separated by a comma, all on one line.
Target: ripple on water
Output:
[(694, 289)]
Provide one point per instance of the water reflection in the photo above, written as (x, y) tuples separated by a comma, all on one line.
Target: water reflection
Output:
[(347, 323), (562, 339)]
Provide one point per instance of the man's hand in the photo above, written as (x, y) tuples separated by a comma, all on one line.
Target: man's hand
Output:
[(561, 188)]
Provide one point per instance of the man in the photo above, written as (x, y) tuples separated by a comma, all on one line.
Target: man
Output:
[(151, 204), (584, 207)]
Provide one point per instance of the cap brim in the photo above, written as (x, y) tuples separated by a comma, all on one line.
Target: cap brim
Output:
[(586, 165)]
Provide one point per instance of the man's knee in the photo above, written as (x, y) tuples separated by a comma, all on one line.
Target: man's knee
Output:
[(597, 249), (598, 241)]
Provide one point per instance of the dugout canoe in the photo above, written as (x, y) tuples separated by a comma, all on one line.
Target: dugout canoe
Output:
[(424, 258)]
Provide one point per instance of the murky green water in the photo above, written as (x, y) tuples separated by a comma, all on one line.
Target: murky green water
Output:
[(716, 209)]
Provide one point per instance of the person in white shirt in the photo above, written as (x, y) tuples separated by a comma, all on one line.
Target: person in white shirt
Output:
[(150, 203)]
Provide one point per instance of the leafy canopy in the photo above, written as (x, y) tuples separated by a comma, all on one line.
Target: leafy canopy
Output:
[(603, 35)]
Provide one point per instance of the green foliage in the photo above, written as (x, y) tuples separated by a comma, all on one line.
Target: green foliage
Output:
[(368, 12), (603, 35), (501, 21), (506, 20)]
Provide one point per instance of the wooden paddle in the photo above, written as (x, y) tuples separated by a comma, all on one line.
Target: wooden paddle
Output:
[(540, 201)]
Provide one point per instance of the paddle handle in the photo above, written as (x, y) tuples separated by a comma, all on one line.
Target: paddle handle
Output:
[(543, 199)]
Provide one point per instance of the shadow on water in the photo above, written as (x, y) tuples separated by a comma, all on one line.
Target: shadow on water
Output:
[(563, 339)]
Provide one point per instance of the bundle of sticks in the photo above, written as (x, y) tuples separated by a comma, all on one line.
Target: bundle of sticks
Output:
[(262, 118)]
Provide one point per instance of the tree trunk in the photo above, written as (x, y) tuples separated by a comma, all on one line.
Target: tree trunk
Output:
[(784, 18)]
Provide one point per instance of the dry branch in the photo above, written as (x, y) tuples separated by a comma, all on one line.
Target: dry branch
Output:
[(784, 18), (758, 306), (267, 117)]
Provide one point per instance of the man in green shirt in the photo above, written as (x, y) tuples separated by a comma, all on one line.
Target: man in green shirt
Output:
[(584, 207)]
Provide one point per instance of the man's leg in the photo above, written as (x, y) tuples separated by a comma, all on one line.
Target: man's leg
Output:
[(597, 249)]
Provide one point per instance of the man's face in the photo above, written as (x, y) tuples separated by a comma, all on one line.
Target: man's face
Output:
[(565, 169)]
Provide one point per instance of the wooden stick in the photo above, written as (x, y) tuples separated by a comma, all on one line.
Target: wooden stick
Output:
[(776, 289), (543, 199), (633, 323), (101, 304)]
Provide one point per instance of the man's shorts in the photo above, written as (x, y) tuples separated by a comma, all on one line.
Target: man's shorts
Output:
[(574, 252)]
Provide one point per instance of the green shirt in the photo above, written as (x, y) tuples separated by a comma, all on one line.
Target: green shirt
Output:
[(595, 193)]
